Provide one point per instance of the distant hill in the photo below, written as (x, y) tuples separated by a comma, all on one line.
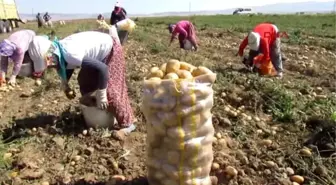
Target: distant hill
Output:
[(279, 8)]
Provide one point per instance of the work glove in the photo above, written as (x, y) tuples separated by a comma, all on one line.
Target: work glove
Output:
[(101, 97), (12, 80)]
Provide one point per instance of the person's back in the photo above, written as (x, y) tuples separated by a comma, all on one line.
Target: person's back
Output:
[(183, 23), (22, 38), (266, 31), (89, 44)]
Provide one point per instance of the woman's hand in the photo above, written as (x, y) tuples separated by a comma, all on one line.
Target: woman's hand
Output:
[(70, 94)]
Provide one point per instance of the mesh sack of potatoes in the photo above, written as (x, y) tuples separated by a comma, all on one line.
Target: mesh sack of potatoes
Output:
[(177, 102)]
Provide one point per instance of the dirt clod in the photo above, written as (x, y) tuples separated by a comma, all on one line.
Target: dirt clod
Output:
[(89, 150), (31, 174)]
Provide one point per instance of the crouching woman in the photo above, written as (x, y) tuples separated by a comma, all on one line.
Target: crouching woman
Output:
[(102, 71)]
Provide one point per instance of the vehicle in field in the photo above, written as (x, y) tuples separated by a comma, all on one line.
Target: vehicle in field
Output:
[(9, 16), (243, 11)]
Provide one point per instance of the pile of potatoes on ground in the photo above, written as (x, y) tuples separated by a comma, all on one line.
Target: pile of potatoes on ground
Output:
[(177, 101)]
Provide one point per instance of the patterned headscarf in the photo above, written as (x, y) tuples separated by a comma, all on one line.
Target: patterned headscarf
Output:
[(7, 48)]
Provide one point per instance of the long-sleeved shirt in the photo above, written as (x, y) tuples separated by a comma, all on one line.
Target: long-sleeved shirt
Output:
[(47, 17), (40, 20), (181, 27), (21, 39), (85, 49), (86, 45), (118, 16), (268, 34)]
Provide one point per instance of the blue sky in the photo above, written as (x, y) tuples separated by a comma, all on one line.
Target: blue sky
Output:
[(137, 6)]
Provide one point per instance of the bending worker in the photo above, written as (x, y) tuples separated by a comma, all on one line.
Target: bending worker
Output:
[(15, 47), (264, 39), (185, 31), (102, 71)]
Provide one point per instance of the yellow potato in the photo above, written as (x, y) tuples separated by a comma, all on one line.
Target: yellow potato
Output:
[(201, 70), (163, 67), (173, 157), (159, 175), (154, 79), (170, 170), (184, 74), (207, 78), (171, 76), (176, 133), (297, 178), (158, 73), (153, 69), (173, 66), (186, 66), (153, 82)]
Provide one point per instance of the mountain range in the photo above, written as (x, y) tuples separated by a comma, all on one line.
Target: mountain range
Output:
[(279, 8)]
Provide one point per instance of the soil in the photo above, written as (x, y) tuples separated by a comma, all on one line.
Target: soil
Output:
[(48, 140)]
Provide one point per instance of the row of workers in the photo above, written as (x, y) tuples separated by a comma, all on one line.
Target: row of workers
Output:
[(102, 63)]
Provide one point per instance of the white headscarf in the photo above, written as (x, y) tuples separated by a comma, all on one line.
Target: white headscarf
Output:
[(254, 41), (38, 49)]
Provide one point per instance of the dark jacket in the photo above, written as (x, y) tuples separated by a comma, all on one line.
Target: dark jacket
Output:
[(46, 17), (40, 20), (116, 17)]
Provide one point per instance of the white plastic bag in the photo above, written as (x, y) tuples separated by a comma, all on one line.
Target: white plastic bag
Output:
[(179, 130), (126, 25), (187, 45)]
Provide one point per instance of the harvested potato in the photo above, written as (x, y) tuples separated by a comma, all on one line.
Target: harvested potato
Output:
[(171, 76), (152, 83), (267, 142), (297, 178), (201, 71), (176, 133), (153, 69), (215, 166), (305, 152), (163, 67), (231, 171), (173, 157), (158, 73), (172, 66), (179, 124), (186, 66), (184, 74)]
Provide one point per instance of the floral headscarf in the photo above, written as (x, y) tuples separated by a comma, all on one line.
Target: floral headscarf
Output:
[(7, 48)]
